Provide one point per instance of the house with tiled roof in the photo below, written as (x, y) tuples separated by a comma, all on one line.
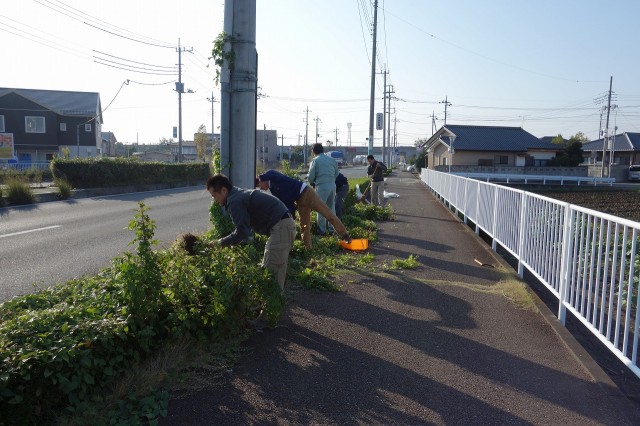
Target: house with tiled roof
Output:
[(623, 149), (467, 145), (42, 123)]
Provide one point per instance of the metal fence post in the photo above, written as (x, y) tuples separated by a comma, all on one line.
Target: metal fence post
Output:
[(521, 236), (567, 248)]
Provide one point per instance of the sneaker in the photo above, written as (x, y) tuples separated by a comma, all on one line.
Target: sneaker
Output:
[(346, 238)]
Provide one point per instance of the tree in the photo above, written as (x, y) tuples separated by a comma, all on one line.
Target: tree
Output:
[(201, 141), (558, 140), (420, 160), (571, 155)]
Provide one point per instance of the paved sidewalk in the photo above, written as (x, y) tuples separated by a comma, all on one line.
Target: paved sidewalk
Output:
[(437, 345)]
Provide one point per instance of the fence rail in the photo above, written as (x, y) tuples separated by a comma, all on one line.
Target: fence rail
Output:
[(544, 179), (590, 261), (38, 165)]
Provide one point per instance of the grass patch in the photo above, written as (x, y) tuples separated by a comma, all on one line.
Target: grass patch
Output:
[(409, 263), (64, 188), (19, 192)]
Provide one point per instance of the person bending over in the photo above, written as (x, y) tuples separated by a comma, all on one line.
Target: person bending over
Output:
[(252, 210), (297, 194)]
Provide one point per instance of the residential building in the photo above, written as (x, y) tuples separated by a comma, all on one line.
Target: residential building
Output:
[(109, 144), (621, 149), (43, 123), (465, 146)]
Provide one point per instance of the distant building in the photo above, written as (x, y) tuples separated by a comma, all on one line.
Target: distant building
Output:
[(109, 144), (623, 149), (487, 146), (267, 148), (44, 122), (189, 151)]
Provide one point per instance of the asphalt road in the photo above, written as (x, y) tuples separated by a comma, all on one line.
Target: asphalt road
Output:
[(53, 242)]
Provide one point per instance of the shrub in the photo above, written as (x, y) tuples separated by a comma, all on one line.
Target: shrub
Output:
[(64, 188), (62, 348), (2, 201), (101, 172), (19, 192)]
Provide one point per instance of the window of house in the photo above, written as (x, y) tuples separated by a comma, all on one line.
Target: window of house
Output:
[(63, 127), (501, 159), (34, 124), (1, 123), (87, 127)]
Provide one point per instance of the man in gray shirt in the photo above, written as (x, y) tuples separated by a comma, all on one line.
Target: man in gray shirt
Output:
[(254, 210)]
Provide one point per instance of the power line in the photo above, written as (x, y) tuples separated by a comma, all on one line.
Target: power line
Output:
[(83, 17), (132, 70), (136, 62)]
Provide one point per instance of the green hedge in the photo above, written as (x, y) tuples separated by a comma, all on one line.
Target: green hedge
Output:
[(96, 173), (61, 348)]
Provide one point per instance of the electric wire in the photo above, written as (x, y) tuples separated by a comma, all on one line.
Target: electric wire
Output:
[(83, 17)]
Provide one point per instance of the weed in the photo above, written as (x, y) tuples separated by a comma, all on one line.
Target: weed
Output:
[(19, 192), (64, 188), (409, 263)]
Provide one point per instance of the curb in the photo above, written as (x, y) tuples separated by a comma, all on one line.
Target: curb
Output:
[(43, 197)]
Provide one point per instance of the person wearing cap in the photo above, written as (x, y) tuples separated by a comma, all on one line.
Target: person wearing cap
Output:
[(297, 194), (252, 210), (323, 172), (375, 173)]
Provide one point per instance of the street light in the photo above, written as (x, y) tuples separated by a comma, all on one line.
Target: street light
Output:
[(452, 138)]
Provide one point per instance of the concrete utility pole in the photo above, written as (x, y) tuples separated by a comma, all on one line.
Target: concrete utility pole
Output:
[(180, 90), (388, 124), (306, 138), (446, 104), (281, 146), (212, 100), (349, 134), (384, 113), (336, 136), (373, 77), (605, 137), (317, 134), (433, 123), (239, 89), (264, 135)]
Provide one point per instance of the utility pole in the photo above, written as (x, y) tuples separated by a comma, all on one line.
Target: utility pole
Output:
[(180, 90), (388, 124), (606, 132), (281, 147), (212, 100), (306, 138), (395, 132), (239, 87), (336, 131), (264, 135), (349, 134), (384, 113), (373, 77), (446, 104), (317, 120), (433, 123)]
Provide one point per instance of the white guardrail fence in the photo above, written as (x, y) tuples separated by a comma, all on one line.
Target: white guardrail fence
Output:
[(589, 260)]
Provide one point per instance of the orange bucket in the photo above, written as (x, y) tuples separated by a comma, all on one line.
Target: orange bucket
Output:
[(356, 244)]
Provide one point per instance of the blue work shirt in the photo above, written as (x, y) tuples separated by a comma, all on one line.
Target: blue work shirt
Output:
[(283, 187)]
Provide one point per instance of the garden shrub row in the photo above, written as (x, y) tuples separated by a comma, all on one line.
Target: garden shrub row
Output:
[(102, 172)]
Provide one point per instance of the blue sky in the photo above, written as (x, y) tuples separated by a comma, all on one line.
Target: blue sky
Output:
[(543, 65)]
